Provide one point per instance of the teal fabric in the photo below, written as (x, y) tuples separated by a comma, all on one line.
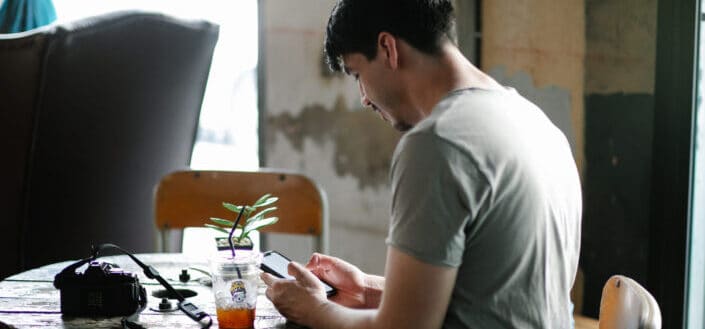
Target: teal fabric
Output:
[(23, 15)]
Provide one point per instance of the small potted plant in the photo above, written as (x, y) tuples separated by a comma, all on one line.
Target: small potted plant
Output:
[(248, 218)]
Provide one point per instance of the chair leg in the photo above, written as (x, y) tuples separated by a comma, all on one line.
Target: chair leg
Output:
[(164, 240)]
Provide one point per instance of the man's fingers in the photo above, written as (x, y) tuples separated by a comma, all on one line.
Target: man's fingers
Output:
[(314, 265), (268, 279), (314, 261), (320, 264), (301, 273)]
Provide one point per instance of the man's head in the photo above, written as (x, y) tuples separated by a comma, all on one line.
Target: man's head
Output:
[(354, 25), (375, 41)]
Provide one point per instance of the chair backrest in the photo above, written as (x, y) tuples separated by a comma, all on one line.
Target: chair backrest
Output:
[(190, 198), (21, 56), (117, 107), (627, 305)]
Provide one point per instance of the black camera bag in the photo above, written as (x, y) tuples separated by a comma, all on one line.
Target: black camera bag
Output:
[(101, 290), (104, 290)]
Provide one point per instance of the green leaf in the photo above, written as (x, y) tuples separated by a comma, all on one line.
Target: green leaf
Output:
[(248, 211), (260, 215), (222, 222), (261, 199), (232, 207), (259, 224), (218, 228), (236, 209), (268, 202)]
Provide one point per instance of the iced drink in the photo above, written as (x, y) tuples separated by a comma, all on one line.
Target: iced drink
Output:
[(235, 288)]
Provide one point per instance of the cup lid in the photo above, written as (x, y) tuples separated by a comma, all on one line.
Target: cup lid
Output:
[(224, 260)]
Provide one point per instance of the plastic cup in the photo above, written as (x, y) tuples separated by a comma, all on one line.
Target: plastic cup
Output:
[(235, 288)]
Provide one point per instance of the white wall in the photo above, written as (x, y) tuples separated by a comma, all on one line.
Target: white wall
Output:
[(314, 124)]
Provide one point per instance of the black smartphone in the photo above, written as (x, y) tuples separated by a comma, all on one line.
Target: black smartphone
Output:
[(276, 264)]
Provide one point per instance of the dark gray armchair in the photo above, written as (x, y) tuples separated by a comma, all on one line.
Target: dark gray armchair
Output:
[(92, 115)]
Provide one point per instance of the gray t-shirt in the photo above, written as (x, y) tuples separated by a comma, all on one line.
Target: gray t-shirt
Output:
[(488, 184)]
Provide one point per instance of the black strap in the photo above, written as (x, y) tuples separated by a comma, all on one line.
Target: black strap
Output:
[(129, 322), (70, 270)]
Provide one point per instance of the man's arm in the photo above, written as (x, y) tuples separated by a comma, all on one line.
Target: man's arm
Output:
[(416, 295), (374, 287)]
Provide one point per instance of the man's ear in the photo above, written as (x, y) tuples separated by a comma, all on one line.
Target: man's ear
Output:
[(387, 46)]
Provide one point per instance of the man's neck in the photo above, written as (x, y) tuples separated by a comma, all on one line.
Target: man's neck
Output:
[(437, 76)]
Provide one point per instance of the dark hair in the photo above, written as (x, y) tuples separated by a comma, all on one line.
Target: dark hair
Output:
[(354, 25)]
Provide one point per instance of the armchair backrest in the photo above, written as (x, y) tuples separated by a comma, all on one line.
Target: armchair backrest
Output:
[(21, 57), (117, 108)]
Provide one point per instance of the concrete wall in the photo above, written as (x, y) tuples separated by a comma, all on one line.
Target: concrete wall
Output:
[(314, 123), (538, 47), (619, 109)]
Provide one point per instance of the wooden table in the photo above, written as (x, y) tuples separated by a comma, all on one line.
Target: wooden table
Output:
[(29, 299)]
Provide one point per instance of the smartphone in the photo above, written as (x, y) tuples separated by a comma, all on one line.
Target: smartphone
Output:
[(276, 264)]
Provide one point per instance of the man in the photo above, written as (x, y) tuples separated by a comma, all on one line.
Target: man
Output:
[(486, 203)]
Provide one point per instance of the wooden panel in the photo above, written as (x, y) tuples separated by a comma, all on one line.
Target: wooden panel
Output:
[(190, 198), (616, 191)]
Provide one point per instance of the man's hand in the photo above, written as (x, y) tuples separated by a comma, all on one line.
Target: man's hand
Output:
[(296, 299), (355, 288)]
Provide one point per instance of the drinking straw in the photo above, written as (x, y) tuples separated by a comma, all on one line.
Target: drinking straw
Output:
[(230, 236), (230, 239)]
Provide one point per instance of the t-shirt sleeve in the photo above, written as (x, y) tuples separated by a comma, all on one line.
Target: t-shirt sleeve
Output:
[(431, 204)]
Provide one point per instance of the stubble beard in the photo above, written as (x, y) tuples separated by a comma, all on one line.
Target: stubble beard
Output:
[(402, 126)]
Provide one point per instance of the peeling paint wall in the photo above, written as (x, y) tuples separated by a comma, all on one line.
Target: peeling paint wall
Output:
[(354, 134), (314, 123), (539, 45)]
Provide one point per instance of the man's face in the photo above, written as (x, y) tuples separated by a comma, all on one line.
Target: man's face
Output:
[(378, 88)]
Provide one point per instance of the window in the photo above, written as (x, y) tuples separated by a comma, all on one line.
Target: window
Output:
[(696, 271)]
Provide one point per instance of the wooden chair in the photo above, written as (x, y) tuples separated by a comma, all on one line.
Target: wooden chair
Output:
[(189, 198), (627, 305)]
